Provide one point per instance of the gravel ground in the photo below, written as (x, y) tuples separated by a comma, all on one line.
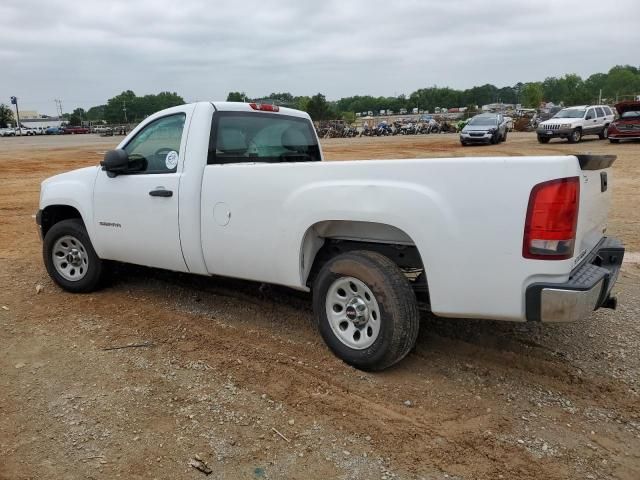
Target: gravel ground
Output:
[(236, 377)]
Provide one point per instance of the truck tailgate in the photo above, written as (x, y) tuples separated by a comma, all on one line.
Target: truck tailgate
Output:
[(595, 198)]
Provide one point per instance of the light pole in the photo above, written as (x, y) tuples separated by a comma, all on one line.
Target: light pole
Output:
[(14, 101)]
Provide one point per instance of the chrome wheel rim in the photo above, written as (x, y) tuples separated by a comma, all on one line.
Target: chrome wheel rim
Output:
[(70, 258), (576, 136), (353, 313)]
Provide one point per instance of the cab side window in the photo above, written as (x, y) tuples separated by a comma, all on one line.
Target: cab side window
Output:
[(591, 114), (157, 145), (600, 112)]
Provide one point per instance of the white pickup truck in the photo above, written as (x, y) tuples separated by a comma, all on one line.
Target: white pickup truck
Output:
[(241, 190)]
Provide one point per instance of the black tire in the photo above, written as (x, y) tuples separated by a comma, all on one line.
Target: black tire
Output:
[(504, 139), (614, 140), (604, 133), (543, 139), (464, 144), (94, 267), (575, 136), (398, 311)]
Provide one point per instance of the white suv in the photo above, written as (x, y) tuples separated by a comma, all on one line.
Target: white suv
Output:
[(573, 123)]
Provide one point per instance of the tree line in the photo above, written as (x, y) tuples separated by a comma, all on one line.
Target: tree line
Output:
[(570, 89)]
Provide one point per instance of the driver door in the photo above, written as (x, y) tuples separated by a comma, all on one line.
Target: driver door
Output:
[(136, 214)]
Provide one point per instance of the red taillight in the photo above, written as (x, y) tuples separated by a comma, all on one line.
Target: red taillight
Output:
[(552, 216), (264, 107)]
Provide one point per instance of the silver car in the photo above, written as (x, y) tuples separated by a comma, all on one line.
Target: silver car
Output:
[(484, 128)]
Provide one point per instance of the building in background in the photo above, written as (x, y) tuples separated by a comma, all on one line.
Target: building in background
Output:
[(32, 119)]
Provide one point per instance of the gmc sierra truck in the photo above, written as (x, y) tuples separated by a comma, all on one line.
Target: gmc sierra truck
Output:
[(241, 190)]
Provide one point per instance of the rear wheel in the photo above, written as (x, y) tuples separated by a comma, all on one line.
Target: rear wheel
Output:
[(604, 134), (543, 139), (575, 136), (70, 258), (365, 309)]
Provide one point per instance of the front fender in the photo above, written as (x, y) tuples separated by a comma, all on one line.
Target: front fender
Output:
[(73, 189)]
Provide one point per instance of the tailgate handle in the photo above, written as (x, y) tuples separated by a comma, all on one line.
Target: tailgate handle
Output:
[(604, 183)]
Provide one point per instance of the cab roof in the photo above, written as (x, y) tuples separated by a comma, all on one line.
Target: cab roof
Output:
[(246, 107)]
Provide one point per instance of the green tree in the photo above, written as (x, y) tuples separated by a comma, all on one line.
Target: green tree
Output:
[(121, 108), (302, 102), (622, 80), (532, 94), (318, 108), (237, 97), (96, 113), (127, 107), (77, 116), (349, 117), (6, 116)]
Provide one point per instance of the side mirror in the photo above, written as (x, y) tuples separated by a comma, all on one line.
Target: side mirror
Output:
[(115, 162)]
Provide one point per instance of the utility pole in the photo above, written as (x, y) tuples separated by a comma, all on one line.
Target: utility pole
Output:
[(14, 101), (124, 109), (58, 106)]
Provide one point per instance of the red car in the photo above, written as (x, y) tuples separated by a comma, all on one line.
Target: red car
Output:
[(627, 127), (69, 129)]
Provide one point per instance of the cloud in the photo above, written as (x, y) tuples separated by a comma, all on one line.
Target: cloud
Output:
[(85, 52)]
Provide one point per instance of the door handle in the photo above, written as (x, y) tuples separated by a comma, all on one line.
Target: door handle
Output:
[(161, 192)]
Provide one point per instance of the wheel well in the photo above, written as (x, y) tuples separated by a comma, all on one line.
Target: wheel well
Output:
[(56, 213), (328, 239)]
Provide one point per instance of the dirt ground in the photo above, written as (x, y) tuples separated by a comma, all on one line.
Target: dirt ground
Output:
[(236, 375)]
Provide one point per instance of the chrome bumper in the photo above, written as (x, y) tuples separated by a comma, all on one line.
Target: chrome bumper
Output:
[(589, 287)]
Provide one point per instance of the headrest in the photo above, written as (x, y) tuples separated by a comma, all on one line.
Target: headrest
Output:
[(294, 139), (231, 139)]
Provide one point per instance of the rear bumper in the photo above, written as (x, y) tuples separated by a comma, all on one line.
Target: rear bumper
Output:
[(589, 287)]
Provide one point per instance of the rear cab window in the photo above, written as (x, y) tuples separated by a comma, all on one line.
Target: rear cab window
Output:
[(247, 137), (600, 112)]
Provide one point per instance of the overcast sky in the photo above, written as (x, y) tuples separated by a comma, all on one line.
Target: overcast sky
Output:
[(84, 52)]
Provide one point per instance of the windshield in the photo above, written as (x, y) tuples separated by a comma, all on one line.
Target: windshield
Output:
[(631, 114), (570, 113), (479, 121)]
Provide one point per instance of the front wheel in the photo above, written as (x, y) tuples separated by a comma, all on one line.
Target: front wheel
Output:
[(504, 138), (70, 258), (365, 309), (575, 136), (614, 140), (543, 139)]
